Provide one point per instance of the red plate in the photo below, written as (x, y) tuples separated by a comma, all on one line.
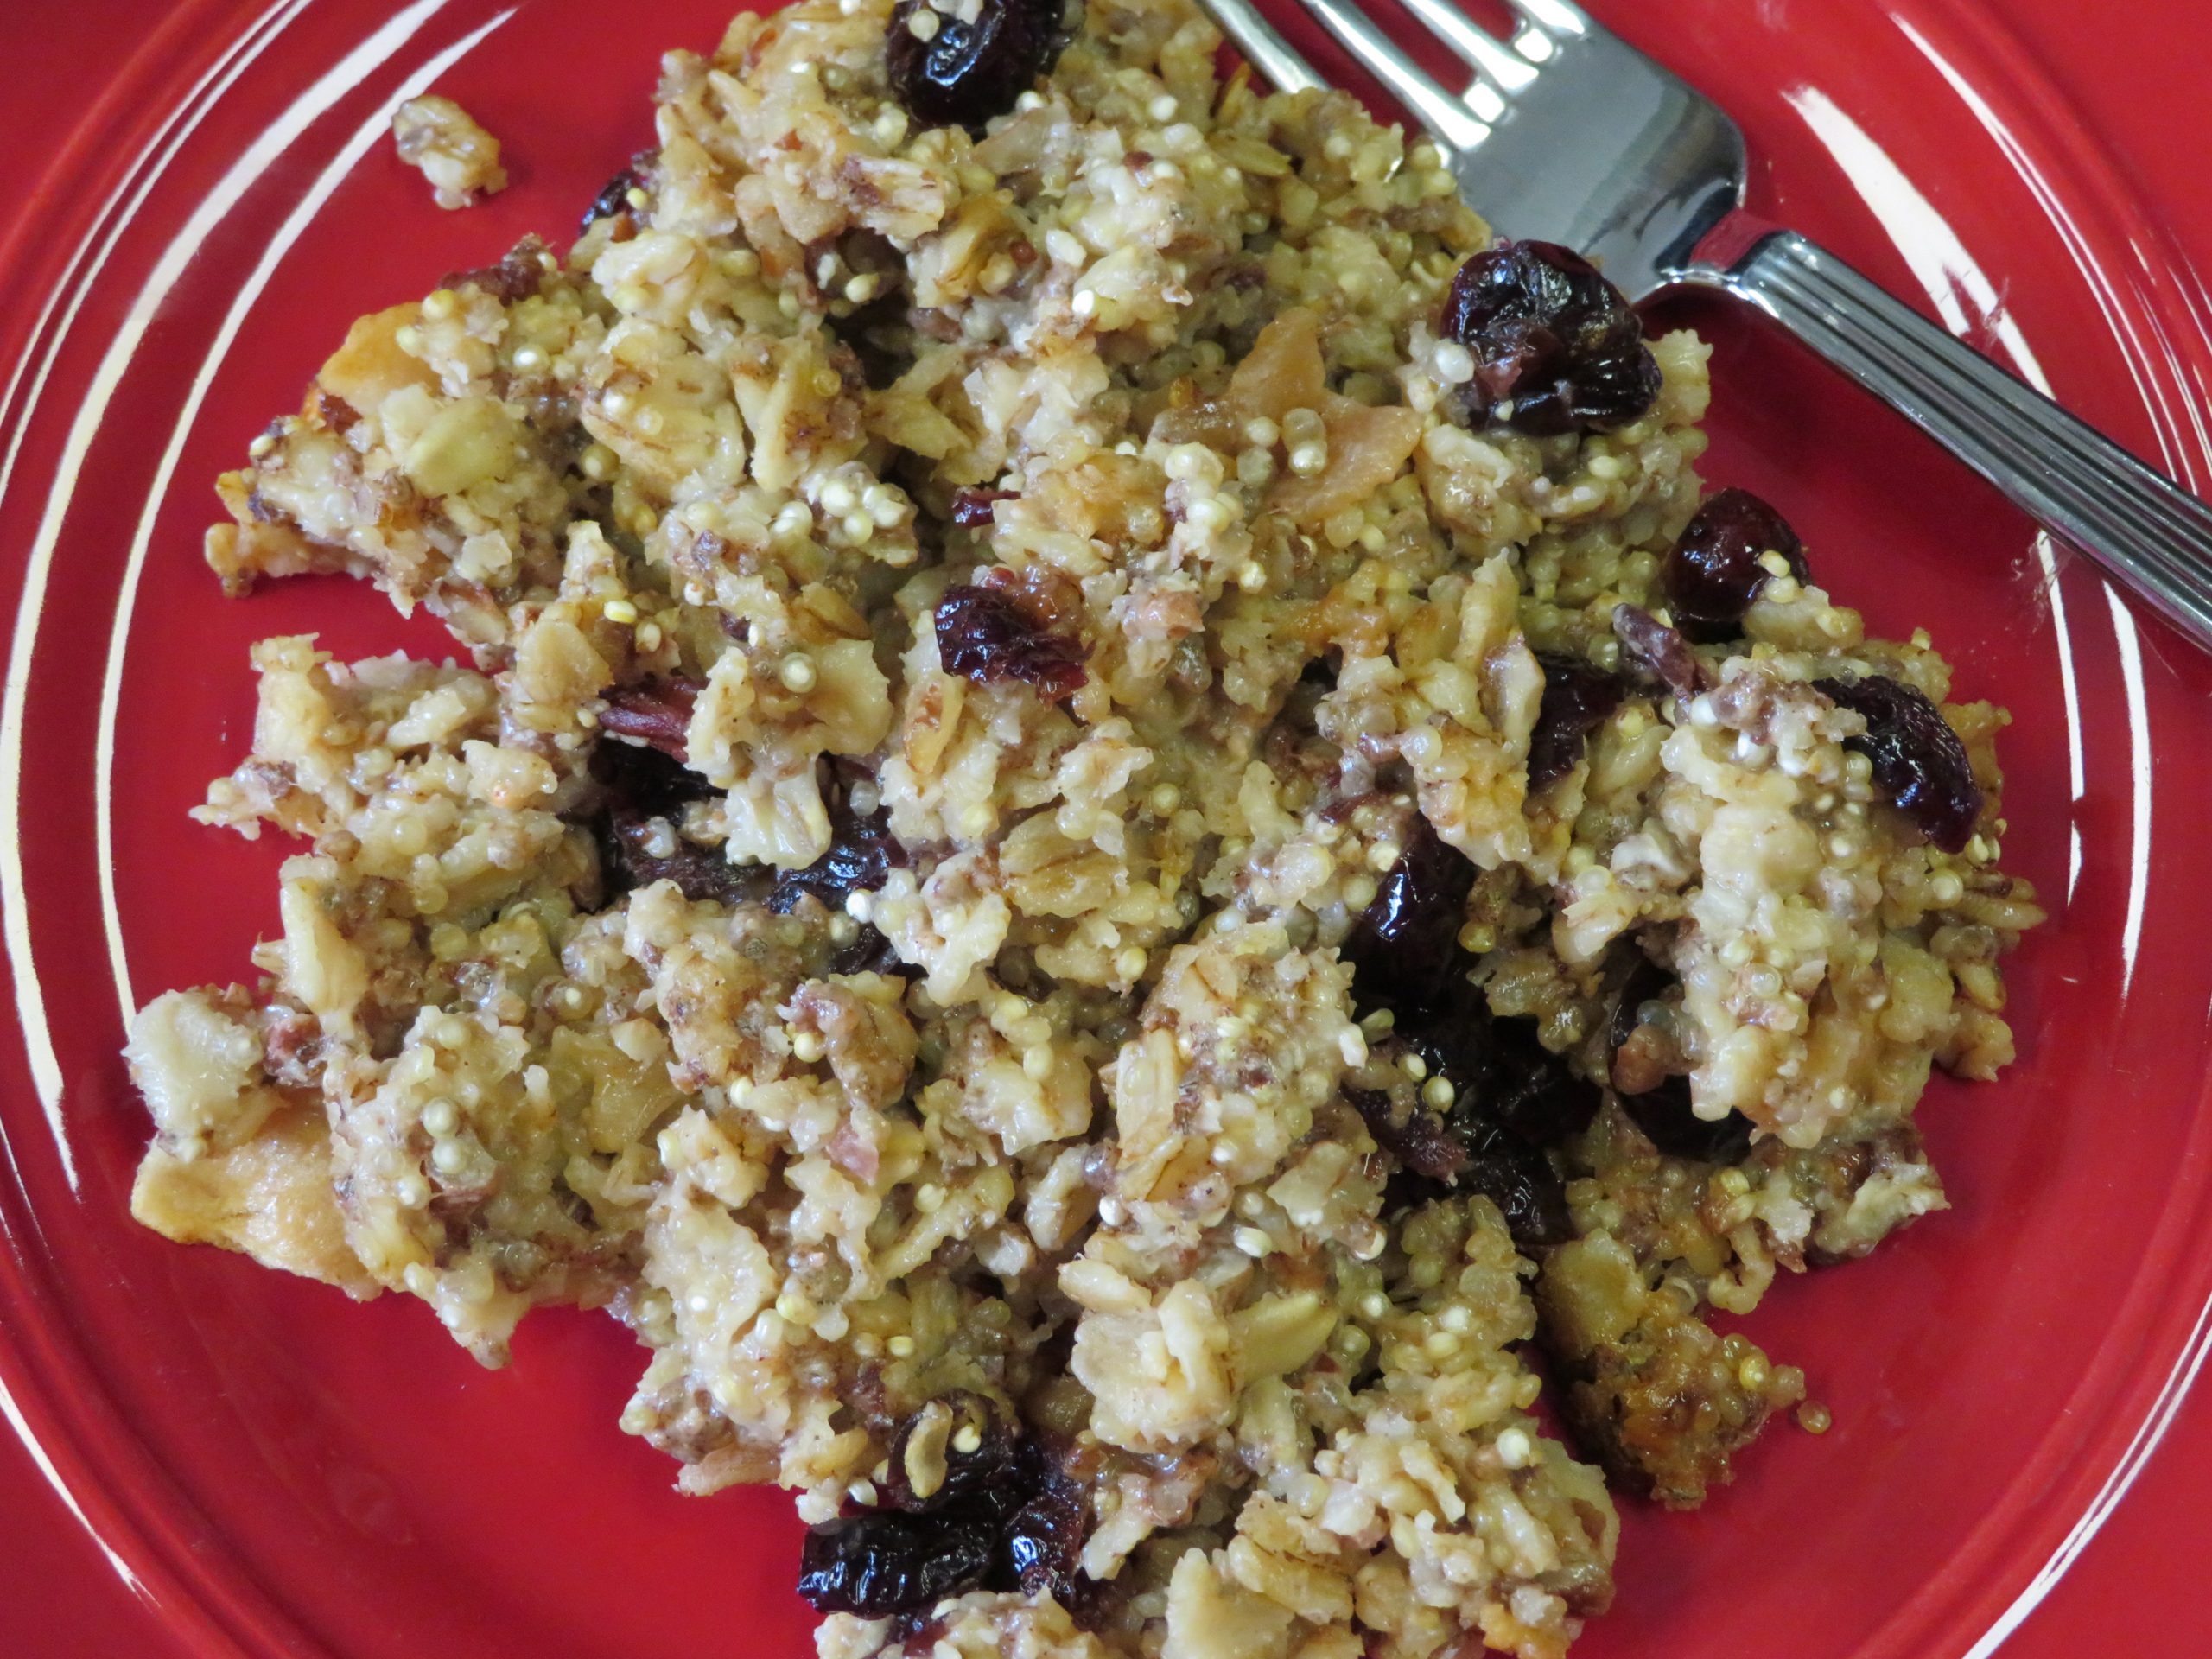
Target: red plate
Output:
[(278, 1471)]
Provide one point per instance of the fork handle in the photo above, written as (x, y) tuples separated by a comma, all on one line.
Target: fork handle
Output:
[(2144, 528)]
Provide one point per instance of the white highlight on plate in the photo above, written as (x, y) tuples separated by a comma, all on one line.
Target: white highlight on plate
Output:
[(2134, 349), (2178, 459), (15, 926), (295, 223), (260, 155), (16, 1420)]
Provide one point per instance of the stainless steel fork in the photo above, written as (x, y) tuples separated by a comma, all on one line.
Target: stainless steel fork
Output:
[(1569, 134)]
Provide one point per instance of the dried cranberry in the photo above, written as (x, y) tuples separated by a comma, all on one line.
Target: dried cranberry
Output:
[(987, 635), (972, 509), (1405, 947), (883, 1563), (1919, 762), (1663, 1111), (1463, 1150), (1532, 1091), (1043, 1544), (862, 854), (1005, 1516), (642, 795), (1521, 1181), (1556, 346), (614, 197), (966, 1473), (1660, 652), (657, 714), (1712, 573), (1511, 1098), (1578, 696), (515, 277), (963, 74)]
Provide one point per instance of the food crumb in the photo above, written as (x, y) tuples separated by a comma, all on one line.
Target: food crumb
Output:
[(460, 159)]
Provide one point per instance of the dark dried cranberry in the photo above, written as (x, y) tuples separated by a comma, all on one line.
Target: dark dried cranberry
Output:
[(1521, 1181), (1005, 1516), (614, 197), (1556, 346), (1664, 1109), (1660, 652), (1578, 696), (966, 1474), (963, 74), (987, 635), (1919, 762), (515, 277), (643, 793), (657, 714), (1511, 1098), (1463, 1150), (1712, 573), (1422, 1144), (1043, 1544), (972, 509), (1533, 1091), (862, 854), (701, 873), (883, 1563), (1405, 947)]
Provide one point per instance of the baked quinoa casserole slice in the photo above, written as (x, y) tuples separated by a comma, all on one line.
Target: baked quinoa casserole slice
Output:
[(1121, 848)]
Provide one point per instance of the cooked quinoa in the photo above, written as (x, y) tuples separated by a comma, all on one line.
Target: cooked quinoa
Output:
[(1076, 872)]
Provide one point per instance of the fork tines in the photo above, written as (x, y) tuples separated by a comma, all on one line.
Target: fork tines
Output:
[(1503, 68)]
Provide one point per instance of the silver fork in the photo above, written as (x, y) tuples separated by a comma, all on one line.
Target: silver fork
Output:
[(1568, 134)]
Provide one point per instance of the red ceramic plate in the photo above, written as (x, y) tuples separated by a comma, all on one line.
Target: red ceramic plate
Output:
[(279, 1470)]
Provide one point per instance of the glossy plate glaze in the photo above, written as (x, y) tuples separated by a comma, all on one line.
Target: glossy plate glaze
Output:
[(280, 1471)]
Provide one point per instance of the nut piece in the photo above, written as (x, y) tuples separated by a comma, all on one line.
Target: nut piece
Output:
[(460, 159)]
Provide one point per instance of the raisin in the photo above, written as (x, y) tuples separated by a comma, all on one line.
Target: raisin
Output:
[(703, 874), (1660, 652), (649, 781), (1919, 762), (1498, 1068), (883, 1563), (657, 714), (972, 509), (1664, 1109), (957, 75), (1521, 1181), (1578, 696), (987, 635), (1557, 347), (1712, 572), (1405, 947)]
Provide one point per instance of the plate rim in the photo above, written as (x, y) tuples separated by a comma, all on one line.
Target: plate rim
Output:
[(51, 1391)]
